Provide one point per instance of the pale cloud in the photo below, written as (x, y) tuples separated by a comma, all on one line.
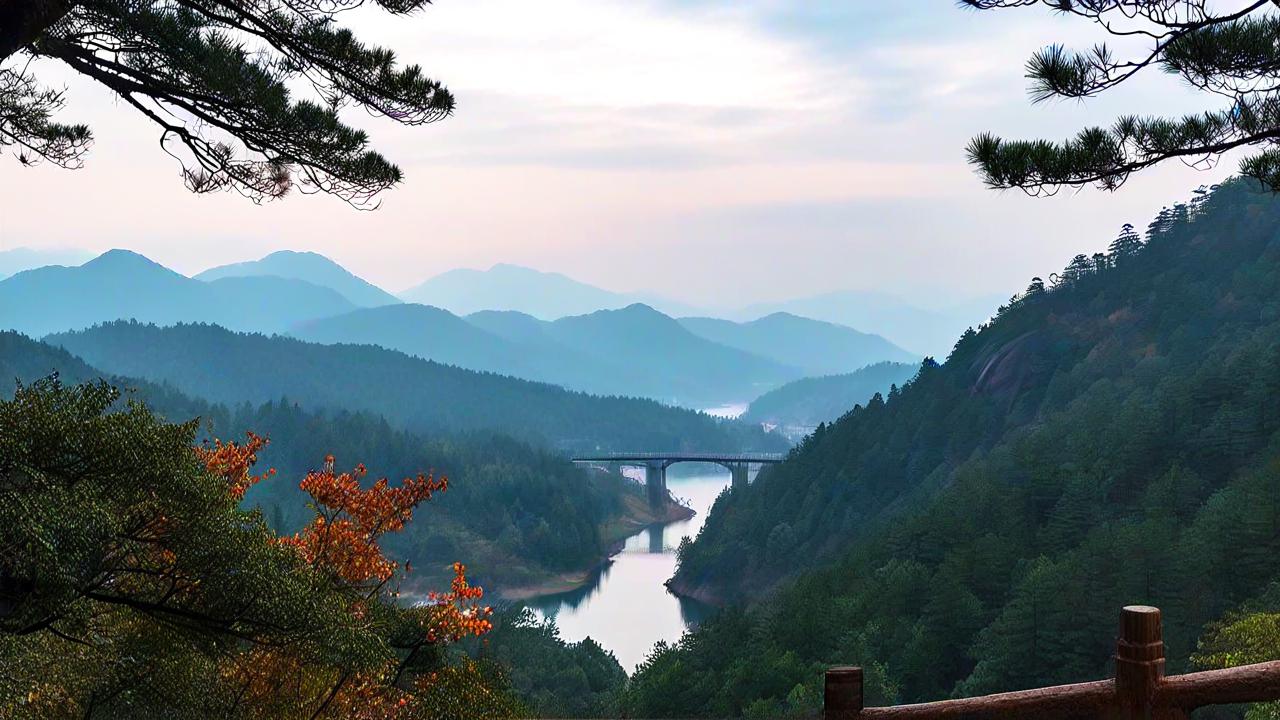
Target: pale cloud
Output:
[(581, 82), (716, 151), (625, 55)]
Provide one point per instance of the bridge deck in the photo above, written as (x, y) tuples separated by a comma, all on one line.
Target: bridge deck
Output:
[(760, 458)]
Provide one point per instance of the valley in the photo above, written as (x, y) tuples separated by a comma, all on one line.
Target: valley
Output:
[(412, 360), (526, 519), (384, 378), (1085, 422), (971, 473), (494, 401)]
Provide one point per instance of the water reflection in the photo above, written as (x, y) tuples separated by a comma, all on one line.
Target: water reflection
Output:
[(656, 539), (625, 607)]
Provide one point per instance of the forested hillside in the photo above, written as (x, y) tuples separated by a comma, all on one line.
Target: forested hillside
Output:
[(417, 395), (636, 351), (423, 331), (514, 513), (1110, 439), (656, 351), (804, 403)]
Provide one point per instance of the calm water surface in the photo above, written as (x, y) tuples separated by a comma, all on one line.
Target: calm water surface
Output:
[(627, 608), (730, 411)]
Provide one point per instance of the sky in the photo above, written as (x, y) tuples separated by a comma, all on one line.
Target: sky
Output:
[(719, 152)]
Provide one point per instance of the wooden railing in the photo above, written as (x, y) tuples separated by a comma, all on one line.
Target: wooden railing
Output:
[(1139, 691)]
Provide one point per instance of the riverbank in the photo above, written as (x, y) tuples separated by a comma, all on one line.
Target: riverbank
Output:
[(637, 515), (696, 592), (624, 606)]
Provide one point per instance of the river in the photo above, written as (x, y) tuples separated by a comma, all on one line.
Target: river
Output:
[(626, 608)]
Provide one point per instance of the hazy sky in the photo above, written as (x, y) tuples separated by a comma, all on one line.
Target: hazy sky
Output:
[(720, 152)]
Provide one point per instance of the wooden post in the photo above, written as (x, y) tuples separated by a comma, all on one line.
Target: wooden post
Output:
[(1140, 665), (842, 693)]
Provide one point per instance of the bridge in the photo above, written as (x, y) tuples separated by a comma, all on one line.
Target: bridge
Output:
[(655, 466)]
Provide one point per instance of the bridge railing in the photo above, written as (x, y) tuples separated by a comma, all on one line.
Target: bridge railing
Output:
[(686, 457), (1139, 690)]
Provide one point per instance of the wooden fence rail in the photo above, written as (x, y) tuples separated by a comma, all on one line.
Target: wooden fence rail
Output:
[(1139, 691)]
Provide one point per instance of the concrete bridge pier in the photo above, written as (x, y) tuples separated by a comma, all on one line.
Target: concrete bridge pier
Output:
[(655, 482), (655, 466), (658, 539)]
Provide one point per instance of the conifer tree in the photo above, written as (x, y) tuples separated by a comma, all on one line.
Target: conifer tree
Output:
[(1231, 52), (1079, 266), (1160, 224), (217, 77), (1034, 288), (1126, 245)]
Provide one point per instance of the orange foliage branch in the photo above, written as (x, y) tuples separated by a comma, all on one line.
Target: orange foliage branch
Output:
[(342, 542), (232, 461), (458, 613)]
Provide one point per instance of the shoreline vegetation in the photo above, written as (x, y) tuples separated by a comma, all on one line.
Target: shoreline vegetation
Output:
[(511, 579), (635, 517), (604, 510), (698, 592)]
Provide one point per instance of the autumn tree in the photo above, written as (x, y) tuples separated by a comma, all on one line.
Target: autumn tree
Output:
[(341, 545), (217, 77), (132, 582), (1232, 54), (127, 569)]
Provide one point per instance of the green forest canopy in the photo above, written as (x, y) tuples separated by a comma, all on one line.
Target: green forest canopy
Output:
[(133, 584), (514, 513), (209, 362), (1109, 439)]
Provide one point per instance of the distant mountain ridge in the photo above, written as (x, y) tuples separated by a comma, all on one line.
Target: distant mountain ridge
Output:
[(309, 294), (311, 267), (630, 351), (230, 368), (120, 284), (423, 331), (918, 329), (16, 260), (544, 295), (647, 342), (817, 347), (634, 351)]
